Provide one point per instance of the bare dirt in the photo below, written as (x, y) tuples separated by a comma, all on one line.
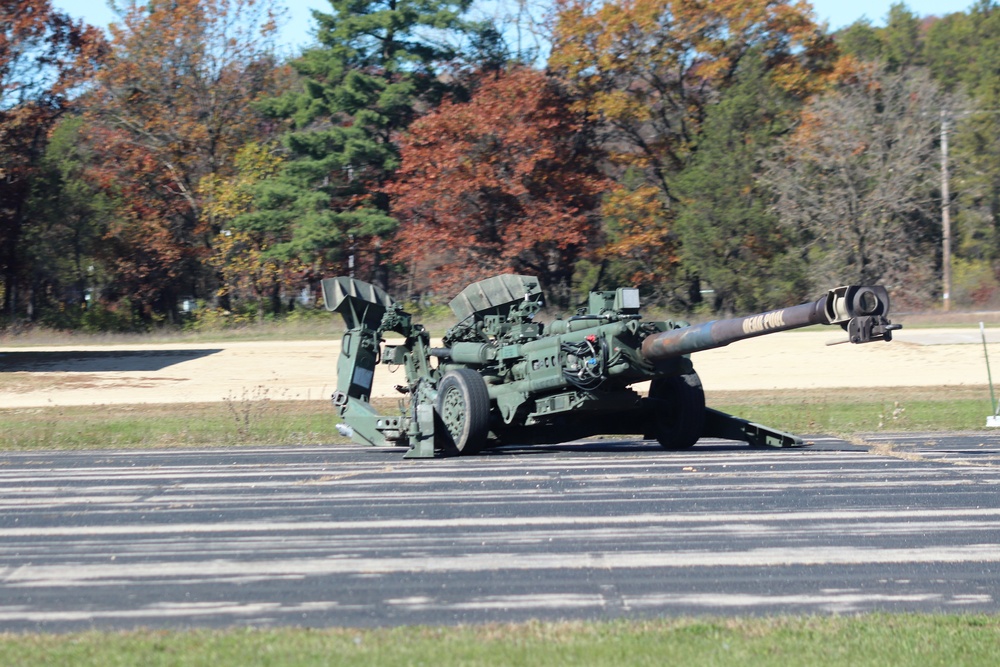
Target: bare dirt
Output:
[(950, 359)]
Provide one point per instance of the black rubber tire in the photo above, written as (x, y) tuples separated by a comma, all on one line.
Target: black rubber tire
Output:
[(681, 422), (463, 411)]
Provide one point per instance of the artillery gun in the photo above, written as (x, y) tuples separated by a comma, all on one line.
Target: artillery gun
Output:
[(501, 377)]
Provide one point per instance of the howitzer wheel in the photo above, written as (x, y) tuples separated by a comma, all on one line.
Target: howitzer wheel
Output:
[(681, 421), (463, 407)]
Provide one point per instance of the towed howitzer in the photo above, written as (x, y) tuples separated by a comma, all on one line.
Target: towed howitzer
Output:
[(500, 377)]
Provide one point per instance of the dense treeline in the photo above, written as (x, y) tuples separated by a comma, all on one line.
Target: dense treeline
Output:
[(723, 156)]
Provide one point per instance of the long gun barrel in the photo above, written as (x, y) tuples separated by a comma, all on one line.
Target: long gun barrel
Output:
[(861, 310)]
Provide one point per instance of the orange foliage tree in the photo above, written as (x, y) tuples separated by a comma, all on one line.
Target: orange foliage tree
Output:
[(505, 182), (244, 253), (44, 56), (648, 70), (173, 107)]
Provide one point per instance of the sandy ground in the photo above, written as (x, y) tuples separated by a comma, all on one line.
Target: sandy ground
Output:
[(306, 370)]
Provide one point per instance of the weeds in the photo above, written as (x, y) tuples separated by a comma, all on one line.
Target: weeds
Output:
[(895, 416), (249, 410)]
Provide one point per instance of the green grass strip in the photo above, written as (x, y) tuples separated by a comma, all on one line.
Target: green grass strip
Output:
[(877, 640), (840, 418), (237, 422), (258, 420)]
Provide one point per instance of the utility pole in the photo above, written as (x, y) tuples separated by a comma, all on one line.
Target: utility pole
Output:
[(945, 214)]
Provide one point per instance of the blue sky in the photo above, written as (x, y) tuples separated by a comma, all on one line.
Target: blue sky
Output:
[(837, 13)]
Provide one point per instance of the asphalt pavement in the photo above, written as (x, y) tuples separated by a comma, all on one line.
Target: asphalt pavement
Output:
[(354, 536)]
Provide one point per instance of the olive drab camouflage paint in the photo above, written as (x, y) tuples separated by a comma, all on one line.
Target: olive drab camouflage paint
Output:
[(501, 377)]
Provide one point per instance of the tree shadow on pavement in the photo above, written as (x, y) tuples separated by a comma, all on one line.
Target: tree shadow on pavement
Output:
[(103, 361)]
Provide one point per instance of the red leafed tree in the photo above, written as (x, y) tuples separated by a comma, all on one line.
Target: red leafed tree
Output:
[(44, 55), (149, 246), (173, 106), (506, 182)]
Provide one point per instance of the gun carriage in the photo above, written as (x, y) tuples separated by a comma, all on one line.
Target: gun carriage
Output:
[(501, 377)]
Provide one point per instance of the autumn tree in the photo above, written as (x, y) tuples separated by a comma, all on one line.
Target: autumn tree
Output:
[(855, 183), (173, 107), (44, 57), (650, 70), (242, 251), (505, 182), (374, 65)]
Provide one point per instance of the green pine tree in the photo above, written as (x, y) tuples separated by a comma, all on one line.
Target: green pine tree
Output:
[(375, 63), (63, 244), (963, 53), (902, 39), (730, 239), (900, 44)]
